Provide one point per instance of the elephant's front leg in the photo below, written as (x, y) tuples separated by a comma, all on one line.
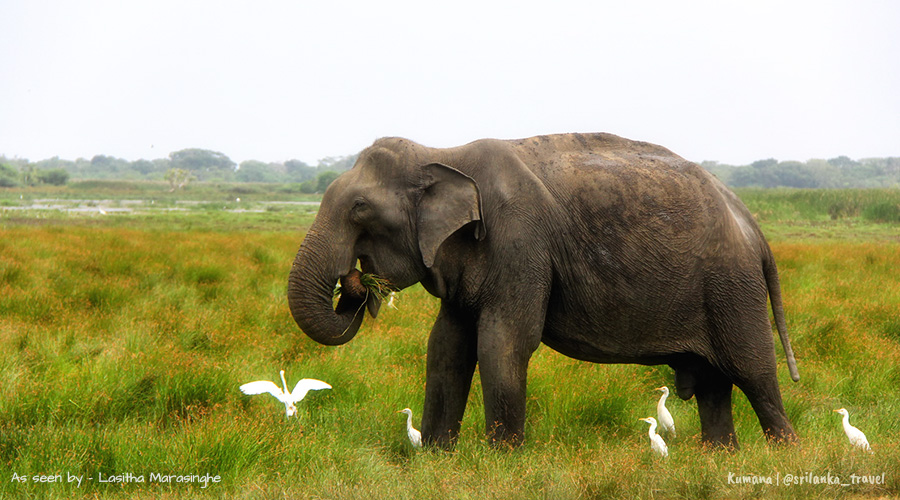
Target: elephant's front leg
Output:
[(506, 341), (448, 378)]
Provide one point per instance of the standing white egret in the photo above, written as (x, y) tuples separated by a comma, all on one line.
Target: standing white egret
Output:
[(415, 437), (856, 436), (666, 422), (285, 396), (656, 441)]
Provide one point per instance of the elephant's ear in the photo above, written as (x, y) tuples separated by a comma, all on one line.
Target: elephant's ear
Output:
[(449, 200)]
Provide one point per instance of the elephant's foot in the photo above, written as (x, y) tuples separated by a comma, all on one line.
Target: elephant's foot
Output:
[(775, 424), (445, 442), (501, 438), (782, 436), (727, 442)]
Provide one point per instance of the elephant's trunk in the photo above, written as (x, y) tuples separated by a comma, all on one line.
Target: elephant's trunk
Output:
[(317, 267)]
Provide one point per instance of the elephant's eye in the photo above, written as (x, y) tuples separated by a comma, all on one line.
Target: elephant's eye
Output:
[(361, 209)]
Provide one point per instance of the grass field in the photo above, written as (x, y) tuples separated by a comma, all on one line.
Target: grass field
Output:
[(124, 338)]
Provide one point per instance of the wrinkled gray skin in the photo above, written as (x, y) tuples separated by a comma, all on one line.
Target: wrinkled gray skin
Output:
[(604, 249)]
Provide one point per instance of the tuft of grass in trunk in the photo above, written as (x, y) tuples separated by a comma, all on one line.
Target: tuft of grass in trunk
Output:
[(373, 284)]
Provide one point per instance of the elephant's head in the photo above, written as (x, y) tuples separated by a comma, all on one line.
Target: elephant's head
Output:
[(391, 212)]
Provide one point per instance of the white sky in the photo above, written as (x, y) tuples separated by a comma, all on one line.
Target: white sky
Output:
[(271, 80)]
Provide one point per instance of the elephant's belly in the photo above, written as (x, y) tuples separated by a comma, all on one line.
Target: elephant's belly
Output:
[(605, 352), (641, 335)]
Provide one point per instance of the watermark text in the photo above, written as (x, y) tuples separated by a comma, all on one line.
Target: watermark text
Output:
[(204, 480), (806, 478)]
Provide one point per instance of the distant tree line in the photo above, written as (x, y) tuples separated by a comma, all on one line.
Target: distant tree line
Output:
[(180, 168), (188, 165), (840, 172), (30, 175)]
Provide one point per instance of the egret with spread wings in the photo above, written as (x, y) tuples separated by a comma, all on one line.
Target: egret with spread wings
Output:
[(289, 398)]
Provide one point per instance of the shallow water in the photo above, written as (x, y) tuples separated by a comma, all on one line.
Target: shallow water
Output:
[(105, 207)]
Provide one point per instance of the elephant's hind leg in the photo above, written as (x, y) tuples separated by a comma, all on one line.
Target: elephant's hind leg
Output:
[(745, 352), (696, 377), (713, 393), (765, 396)]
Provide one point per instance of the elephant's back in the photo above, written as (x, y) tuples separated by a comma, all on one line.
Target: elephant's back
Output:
[(633, 191), (638, 199), (595, 151), (583, 166), (606, 178), (597, 141)]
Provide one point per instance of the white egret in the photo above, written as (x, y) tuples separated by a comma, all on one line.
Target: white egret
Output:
[(656, 441), (856, 436), (285, 396), (666, 422), (415, 437)]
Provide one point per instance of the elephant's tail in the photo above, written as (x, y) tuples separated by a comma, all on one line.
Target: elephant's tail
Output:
[(774, 285)]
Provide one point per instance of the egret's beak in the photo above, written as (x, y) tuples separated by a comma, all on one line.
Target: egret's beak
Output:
[(659, 388)]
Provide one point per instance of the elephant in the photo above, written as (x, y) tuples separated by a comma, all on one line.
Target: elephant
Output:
[(605, 249)]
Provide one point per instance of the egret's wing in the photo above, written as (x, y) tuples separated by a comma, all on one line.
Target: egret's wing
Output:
[(659, 446), (665, 417), (305, 385), (262, 386), (859, 439), (666, 422), (415, 437)]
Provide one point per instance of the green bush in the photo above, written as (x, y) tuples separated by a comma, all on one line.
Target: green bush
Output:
[(9, 177), (55, 177), (882, 212)]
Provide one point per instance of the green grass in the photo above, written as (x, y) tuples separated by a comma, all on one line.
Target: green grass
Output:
[(123, 341), (814, 214)]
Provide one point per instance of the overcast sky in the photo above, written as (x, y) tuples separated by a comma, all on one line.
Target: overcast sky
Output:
[(272, 80)]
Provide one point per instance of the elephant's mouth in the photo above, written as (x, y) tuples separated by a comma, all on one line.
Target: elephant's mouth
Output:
[(357, 290), (351, 293)]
